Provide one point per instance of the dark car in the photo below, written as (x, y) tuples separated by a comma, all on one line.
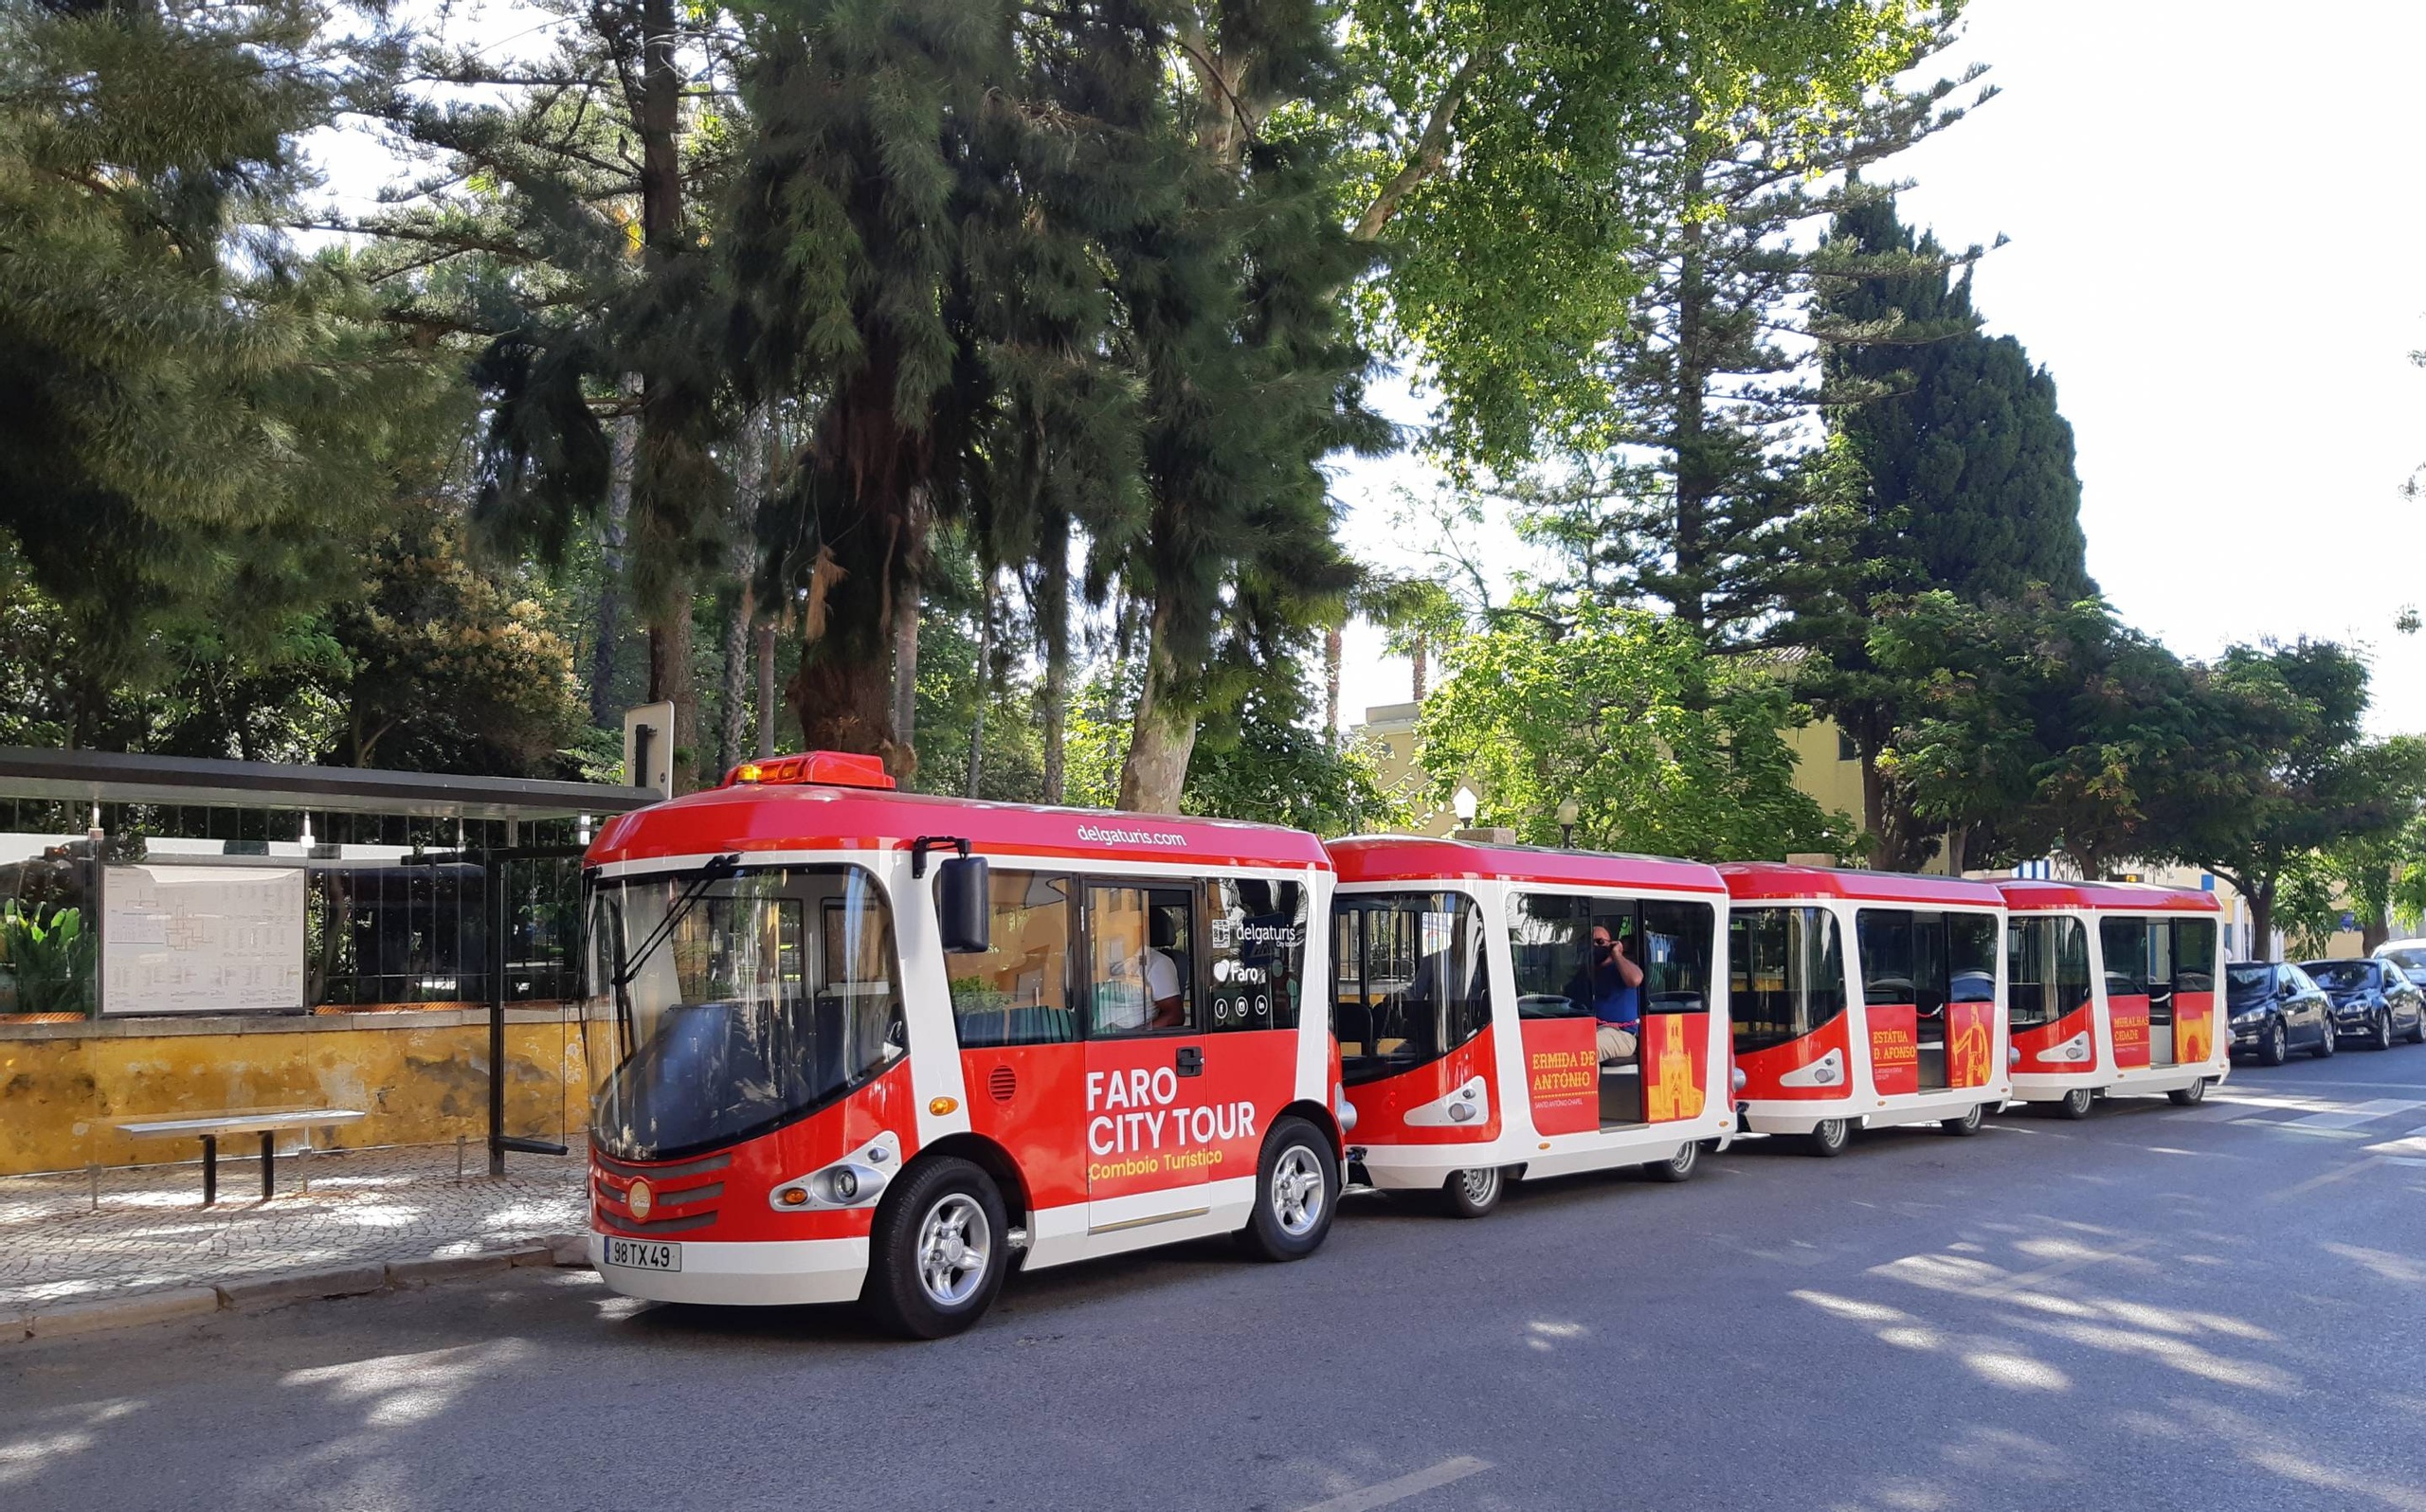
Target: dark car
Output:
[(2372, 1001), (2276, 1009)]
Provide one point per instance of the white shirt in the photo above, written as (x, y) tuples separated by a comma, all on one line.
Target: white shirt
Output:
[(1160, 975)]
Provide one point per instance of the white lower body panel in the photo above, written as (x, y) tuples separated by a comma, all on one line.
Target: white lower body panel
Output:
[(754, 1273), (2140, 1080), (1425, 1167)]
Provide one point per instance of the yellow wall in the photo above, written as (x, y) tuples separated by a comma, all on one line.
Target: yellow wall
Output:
[(422, 1082), (1835, 785)]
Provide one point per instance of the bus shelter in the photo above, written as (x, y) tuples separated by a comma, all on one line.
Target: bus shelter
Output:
[(181, 935)]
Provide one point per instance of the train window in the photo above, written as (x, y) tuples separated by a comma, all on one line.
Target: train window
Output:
[(2047, 969), (1140, 949), (1971, 957), (2193, 955), (1409, 979), (2124, 941), (1017, 991), (1675, 956), (1256, 951), (1785, 974)]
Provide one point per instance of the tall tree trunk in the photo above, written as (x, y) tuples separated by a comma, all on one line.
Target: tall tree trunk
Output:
[(842, 705), (1053, 607), (766, 688), (985, 684), (1421, 656), (1332, 640), (735, 724), (605, 708), (2261, 919), (905, 678), (1695, 482), (671, 677), (1162, 738)]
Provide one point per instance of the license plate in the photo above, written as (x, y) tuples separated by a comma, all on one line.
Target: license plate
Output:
[(644, 1255)]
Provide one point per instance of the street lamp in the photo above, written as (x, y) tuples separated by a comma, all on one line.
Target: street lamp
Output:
[(1568, 812), (1466, 806)]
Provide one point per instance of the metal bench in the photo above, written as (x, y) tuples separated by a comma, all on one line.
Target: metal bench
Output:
[(209, 1126)]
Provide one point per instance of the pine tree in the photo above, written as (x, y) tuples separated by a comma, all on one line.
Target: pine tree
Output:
[(558, 246), (1966, 486), (195, 421), (1695, 493)]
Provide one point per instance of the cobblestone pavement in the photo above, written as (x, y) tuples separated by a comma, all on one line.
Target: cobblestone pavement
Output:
[(151, 1231)]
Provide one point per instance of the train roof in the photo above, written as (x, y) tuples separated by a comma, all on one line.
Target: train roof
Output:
[(1771, 881), (746, 817), (1415, 858), (2142, 897)]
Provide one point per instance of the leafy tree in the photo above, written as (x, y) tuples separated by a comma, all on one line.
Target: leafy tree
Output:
[(2037, 726), (2306, 778), (451, 667), (196, 422), (1663, 748), (1510, 153)]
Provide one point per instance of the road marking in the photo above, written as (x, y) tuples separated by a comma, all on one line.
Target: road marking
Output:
[(1413, 1484), (2352, 1117), (2342, 1174)]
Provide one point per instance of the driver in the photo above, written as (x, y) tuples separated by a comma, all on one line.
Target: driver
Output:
[(1612, 983)]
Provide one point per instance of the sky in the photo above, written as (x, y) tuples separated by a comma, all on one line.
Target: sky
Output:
[(2218, 247)]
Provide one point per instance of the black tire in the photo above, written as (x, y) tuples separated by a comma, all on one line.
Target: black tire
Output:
[(1677, 1167), (2190, 1096), (2327, 1042), (1472, 1194), (2074, 1104), (1293, 1151), (2418, 1030), (2382, 1039), (1828, 1138), (2273, 1044), (1968, 1124), (944, 1200)]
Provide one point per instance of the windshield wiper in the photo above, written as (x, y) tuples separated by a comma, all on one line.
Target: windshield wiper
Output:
[(627, 967)]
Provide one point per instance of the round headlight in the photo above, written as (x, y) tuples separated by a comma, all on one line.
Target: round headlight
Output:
[(846, 1185)]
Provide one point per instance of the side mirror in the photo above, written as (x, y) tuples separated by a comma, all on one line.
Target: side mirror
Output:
[(964, 905)]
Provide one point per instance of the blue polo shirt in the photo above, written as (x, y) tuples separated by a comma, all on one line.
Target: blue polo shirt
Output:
[(1613, 1001)]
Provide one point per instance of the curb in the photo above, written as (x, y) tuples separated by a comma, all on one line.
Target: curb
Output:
[(257, 1293)]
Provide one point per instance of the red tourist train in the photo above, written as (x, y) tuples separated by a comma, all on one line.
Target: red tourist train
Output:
[(2114, 993), (853, 1044)]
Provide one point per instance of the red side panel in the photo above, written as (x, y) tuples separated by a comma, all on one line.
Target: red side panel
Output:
[(1381, 1106), (1676, 1066), (2128, 1017), (1151, 1129), (2194, 1027), (1762, 1069), (1562, 1073), (1970, 1043), (1026, 1099), (2034, 1044), (1894, 1048)]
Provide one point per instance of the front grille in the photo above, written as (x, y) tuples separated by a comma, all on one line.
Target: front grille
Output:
[(612, 1184)]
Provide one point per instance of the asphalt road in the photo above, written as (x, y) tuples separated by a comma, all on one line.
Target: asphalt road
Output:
[(2216, 1308)]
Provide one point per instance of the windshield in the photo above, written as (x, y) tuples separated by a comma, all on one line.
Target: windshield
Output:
[(724, 1008), (2341, 976), (2411, 963), (1410, 981), (2247, 981)]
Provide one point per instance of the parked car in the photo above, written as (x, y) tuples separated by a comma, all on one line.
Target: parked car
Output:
[(2276, 1009), (2372, 1001), (2408, 957)]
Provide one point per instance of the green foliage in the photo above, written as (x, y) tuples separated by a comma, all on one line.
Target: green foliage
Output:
[(1512, 156), (1663, 748), (49, 956), (2308, 905), (198, 424)]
